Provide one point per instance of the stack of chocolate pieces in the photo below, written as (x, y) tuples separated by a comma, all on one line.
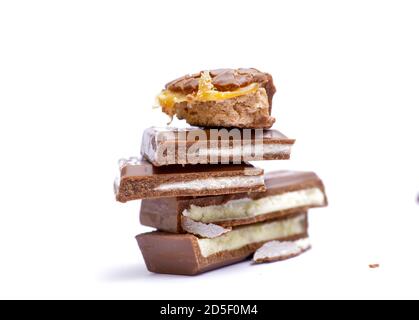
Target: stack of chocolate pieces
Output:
[(211, 207)]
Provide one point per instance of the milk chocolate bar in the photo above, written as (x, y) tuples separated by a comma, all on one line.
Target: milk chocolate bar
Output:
[(221, 98), (189, 255), (286, 192), (139, 179), (166, 146)]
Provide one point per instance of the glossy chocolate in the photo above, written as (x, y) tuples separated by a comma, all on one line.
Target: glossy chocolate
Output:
[(180, 253), (165, 214), (143, 180)]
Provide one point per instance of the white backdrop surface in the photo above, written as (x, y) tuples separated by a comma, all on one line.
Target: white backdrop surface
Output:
[(77, 83)]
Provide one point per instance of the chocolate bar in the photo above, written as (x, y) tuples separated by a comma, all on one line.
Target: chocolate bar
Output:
[(286, 192), (166, 146), (221, 98), (139, 179), (189, 255)]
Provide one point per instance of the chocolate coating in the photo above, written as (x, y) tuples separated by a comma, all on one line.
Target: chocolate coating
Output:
[(180, 254), (225, 80), (142, 180), (158, 142)]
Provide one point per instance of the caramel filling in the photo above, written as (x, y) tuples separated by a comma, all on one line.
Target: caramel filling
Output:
[(206, 92)]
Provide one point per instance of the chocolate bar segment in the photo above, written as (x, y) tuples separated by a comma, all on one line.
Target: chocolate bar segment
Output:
[(139, 179), (189, 255), (286, 192), (239, 98), (166, 146)]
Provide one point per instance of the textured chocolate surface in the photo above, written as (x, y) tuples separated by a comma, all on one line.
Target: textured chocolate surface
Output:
[(247, 108), (143, 180), (180, 253), (250, 110), (225, 80), (165, 214), (168, 145)]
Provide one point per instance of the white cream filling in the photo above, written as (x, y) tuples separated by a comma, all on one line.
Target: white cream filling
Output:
[(247, 208), (240, 237), (247, 150), (213, 183), (281, 249)]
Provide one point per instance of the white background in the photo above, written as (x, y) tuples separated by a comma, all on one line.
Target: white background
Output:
[(77, 83)]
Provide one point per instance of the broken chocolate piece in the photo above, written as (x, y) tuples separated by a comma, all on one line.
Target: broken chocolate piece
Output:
[(205, 230), (186, 254), (225, 80), (166, 146), (286, 193), (139, 179), (221, 98), (280, 250)]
